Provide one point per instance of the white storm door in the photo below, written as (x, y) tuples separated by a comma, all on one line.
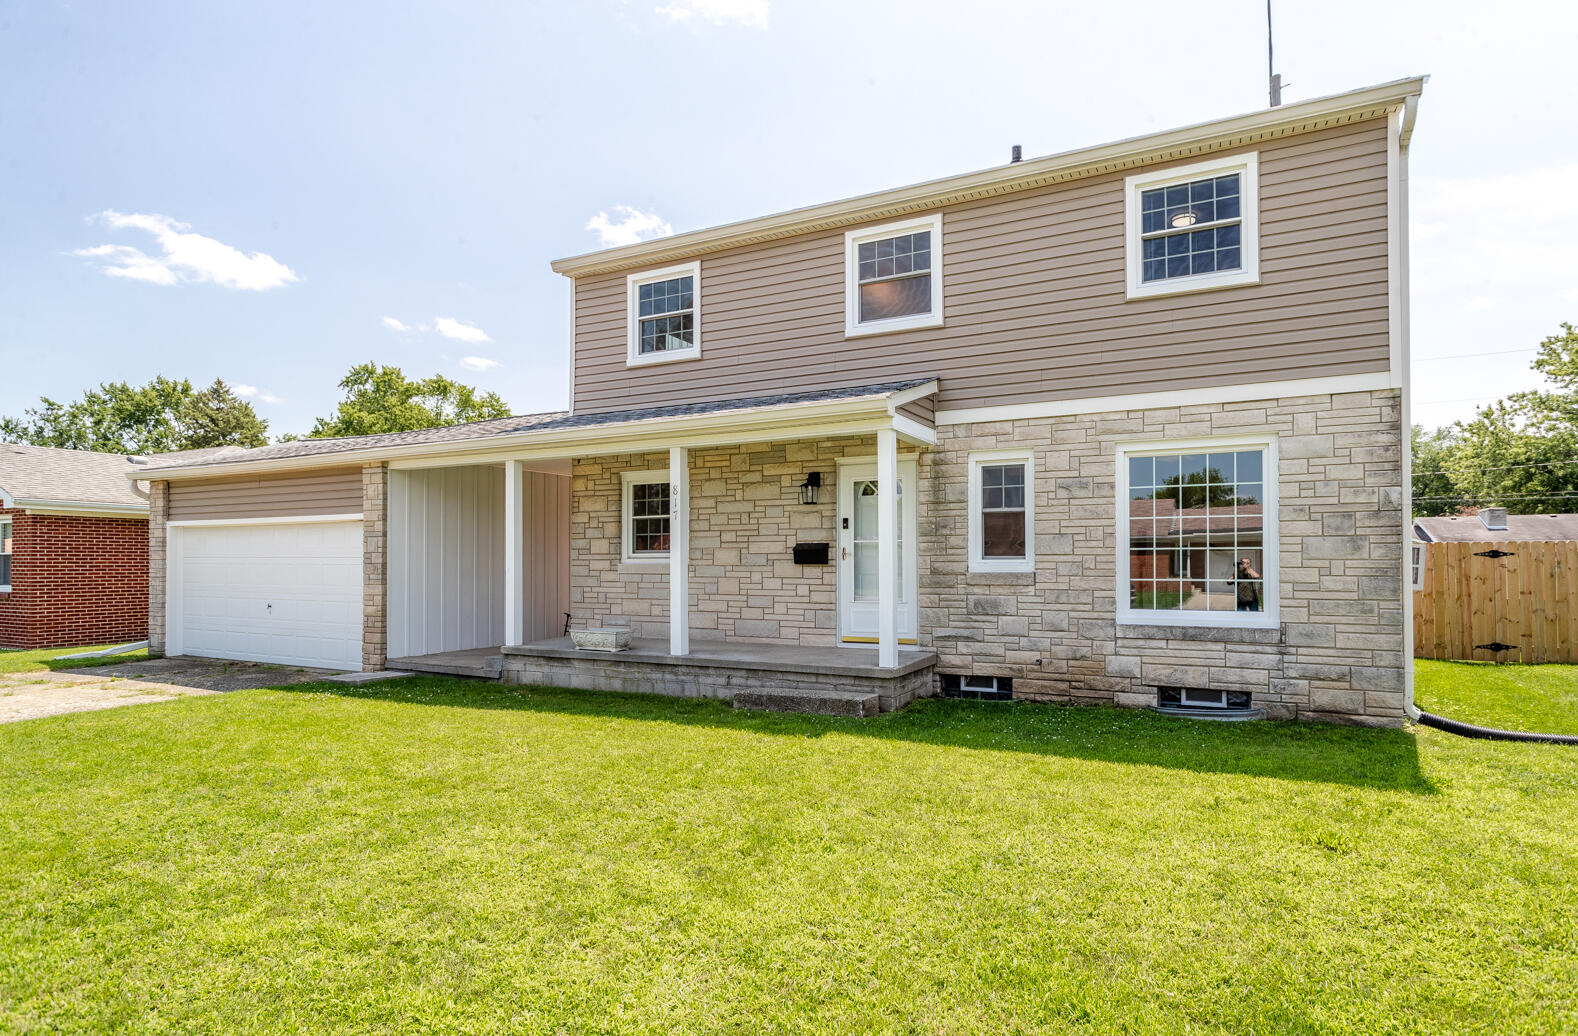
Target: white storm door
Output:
[(857, 552)]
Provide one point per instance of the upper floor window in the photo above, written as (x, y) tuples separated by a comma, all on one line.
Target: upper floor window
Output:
[(893, 276), (1194, 227), (665, 314)]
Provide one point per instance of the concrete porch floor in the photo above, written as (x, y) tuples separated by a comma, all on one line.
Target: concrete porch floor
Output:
[(485, 662), (828, 661)]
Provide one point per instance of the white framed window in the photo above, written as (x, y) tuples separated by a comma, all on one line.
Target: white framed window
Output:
[(1197, 532), (893, 276), (5, 555), (664, 309), (1416, 565), (645, 510), (1002, 512), (1194, 227)]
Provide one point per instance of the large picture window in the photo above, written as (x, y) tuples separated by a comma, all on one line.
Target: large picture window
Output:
[(645, 515), (1193, 227), (665, 314), (1197, 534), (894, 276)]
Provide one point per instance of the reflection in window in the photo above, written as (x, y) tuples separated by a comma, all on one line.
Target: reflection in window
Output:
[(1003, 511), (894, 276), (667, 315), (649, 518), (1197, 531), (1191, 228)]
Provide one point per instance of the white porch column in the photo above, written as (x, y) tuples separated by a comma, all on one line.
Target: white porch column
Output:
[(514, 554), (887, 548), (678, 551)]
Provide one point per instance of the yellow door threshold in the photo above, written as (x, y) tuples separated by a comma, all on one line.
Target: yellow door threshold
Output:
[(873, 640)]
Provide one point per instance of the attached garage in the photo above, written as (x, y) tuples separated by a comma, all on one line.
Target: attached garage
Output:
[(267, 570)]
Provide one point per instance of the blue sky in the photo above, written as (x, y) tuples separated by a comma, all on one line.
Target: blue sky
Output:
[(255, 192)]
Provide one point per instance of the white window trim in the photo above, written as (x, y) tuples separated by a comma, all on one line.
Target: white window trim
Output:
[(1249, 166), (627, 552), (6, 522), (853, 327), (978, 562), (1270, 618), (1416, 564), (634, 357)]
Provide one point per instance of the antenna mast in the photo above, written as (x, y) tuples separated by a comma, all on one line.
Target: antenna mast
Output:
[(1271, 68)]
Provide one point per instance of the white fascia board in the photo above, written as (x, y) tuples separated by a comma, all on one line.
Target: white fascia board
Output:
[(1198, 139), (910, 395), (1181, 397), (791, 420), (81, 508)]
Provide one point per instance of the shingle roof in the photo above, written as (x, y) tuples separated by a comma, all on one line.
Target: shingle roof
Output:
[(42, 475), (1468, 528), (503, 426)]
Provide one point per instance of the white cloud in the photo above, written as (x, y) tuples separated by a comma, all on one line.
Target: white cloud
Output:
[(719, 12), (628, 226), (478, 363), (253, 392), (188, 257), (394, 325), (459, 330)]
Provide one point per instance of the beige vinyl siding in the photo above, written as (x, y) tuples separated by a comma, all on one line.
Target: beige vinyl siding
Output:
[(1035, 300), (923, 410), (338, 491)]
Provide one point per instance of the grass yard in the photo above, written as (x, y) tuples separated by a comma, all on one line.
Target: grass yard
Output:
[(1540, 698), (434, 855), (34, 659)]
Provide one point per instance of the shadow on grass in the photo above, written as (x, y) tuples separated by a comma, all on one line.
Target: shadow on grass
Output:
[(1358, 756)]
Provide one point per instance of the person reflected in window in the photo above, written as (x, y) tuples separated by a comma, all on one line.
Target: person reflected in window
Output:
[(1246, 584)]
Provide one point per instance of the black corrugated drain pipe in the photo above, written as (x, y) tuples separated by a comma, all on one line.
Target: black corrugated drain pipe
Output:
[(1453, 726)]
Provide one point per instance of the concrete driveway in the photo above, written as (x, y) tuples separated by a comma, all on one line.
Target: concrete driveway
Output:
[(31, 695)]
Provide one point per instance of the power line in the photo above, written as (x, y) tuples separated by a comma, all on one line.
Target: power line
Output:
[(1471, 356), (1503, 496), (1501, 467)]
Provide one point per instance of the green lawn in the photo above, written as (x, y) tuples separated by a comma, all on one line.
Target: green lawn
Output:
[(1541, 698), (433, 855), (33, 659)]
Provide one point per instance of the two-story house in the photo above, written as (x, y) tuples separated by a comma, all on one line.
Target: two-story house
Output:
[(1125, 424)]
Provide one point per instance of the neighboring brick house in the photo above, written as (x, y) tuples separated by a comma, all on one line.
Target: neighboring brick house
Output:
[(1126, 424), (73, 548)]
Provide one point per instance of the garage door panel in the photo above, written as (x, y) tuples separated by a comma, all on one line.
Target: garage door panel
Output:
[(284, 593)]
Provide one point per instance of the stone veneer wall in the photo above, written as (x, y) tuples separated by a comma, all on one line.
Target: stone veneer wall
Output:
[(1339, 651), (375, 567), (158, 516), (745, 518)]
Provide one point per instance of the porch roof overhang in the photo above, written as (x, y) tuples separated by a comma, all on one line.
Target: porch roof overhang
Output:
[(860, 410)]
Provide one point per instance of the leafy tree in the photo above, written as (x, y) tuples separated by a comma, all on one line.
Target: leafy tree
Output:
[(382, 399), (160, 416), (1435, 491)]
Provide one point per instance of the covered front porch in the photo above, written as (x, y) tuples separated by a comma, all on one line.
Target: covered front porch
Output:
[(731, 575)]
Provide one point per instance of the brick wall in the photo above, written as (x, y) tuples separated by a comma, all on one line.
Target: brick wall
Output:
[(1338, 653), (75, 581)]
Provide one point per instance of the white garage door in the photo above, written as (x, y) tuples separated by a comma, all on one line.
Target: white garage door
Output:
[(288, 593)]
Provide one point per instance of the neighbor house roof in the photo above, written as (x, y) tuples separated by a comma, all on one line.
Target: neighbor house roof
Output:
[(1188, 141), (559, 429), (1468, 528), (46, 478)]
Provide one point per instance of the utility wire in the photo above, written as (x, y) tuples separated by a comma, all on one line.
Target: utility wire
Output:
[(1471, 356), (1501, 467), (1503, 496)]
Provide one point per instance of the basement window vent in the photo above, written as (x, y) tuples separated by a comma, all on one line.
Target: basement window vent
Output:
[(978, 688), (1197, 698)]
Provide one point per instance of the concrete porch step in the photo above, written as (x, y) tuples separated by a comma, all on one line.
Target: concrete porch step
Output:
[(485, 663), (820, 702)]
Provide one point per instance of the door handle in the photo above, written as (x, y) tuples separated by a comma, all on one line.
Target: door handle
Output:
[(843, 554)]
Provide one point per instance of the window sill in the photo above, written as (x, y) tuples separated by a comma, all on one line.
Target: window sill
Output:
[(676, 356), (884, 327), (1189, 285), (659, 562), (991, 568), (1131, 630)]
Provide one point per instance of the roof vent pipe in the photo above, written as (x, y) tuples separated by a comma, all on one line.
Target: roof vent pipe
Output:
[(1017, 153)]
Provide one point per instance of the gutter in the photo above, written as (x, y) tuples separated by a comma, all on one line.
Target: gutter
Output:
[(88, 507), (1368, 102)]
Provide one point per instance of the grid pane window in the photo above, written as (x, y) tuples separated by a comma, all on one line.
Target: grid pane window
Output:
[(1197, 531), (5, 552), (894, 276), (1192, 228), (1003, 531), (667, 314), (649, 517)]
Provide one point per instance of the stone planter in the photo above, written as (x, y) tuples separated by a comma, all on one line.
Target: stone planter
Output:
[(602, 639)]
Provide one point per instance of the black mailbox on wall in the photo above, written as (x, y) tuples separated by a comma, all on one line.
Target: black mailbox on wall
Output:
[(810, 553)]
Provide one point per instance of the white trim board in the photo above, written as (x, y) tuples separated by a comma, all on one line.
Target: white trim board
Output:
[(298, 519), (1182, 397)]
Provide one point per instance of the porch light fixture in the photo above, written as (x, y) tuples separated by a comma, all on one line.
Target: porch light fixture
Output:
[(808, 488)]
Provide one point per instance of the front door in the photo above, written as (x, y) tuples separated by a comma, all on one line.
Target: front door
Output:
[(857, 552)]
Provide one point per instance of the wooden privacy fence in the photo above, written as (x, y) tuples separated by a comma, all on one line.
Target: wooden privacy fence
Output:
[(1498, 602)]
